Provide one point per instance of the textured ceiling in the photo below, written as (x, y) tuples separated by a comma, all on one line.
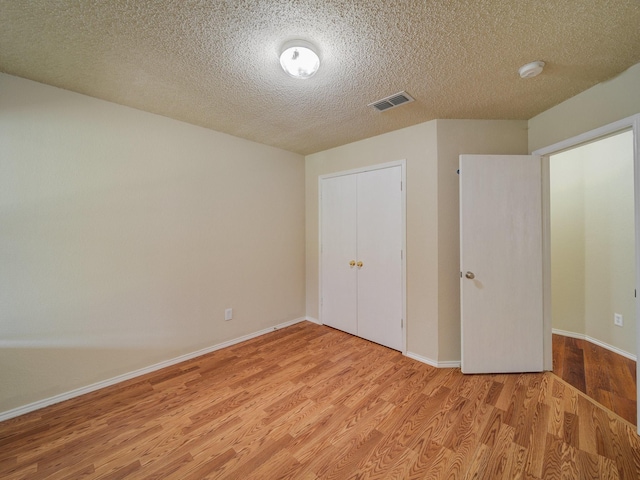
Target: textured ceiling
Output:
[(215, 63)]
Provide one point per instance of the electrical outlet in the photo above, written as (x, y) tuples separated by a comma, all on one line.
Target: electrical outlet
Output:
[(228, 314), (617, 319)]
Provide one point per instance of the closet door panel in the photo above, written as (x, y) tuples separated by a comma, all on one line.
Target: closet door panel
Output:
[(379, 246), (338, 240)]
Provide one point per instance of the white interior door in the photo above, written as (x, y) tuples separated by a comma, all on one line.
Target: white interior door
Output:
[(338, 241), (501, 263), (380, 291)]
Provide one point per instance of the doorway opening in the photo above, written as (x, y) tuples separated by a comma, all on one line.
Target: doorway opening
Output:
[(593, 258)]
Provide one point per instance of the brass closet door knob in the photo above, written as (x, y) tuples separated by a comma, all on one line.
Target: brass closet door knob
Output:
[(470, 275), (352, 263), (360, 264)]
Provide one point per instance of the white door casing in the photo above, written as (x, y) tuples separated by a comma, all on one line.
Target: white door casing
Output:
[(633, 123), (501, 247)]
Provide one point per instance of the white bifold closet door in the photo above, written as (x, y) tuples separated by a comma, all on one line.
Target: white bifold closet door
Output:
[(339, 302), (361, 256)]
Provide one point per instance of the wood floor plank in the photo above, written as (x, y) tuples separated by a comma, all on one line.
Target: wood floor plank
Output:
[(478, 462), (606, 377), (573, 366), (403, 468), (553, 458), (497, 463), (206, 468), (587, 427), (167, 468), (438, 467), (555, 423), (309, 402), (426, 453), (494, 392), (517, 463), (464, 441), (534, 462)]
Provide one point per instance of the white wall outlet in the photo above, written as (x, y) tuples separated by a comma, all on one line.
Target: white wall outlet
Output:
[(617, 319), (228, 314)]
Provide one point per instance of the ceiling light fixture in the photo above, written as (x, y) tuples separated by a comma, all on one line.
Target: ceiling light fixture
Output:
[(531, 69), (299, 59)]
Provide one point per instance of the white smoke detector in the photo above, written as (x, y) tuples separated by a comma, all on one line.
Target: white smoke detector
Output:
[(531, 69)]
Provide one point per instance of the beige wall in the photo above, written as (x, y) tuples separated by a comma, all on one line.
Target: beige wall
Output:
[(602, 104), (431, 150), (457, 137), (124, 236), (567, 243), (593, 240)]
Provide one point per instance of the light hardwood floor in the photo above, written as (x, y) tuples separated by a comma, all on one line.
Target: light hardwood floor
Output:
[(608, 378), (309, 402)]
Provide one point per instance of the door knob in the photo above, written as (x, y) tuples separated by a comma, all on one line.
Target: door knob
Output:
[(352, 263), (360, 264), (470, 275)]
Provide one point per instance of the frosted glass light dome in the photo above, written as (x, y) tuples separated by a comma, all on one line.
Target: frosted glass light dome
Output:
[(299, 60)]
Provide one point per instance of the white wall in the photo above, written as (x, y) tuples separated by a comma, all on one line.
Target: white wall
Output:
[(593, 240), (124, 236)]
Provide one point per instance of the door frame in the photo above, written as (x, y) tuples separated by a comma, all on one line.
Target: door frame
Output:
[(630, 123), (403, 195), (522, 339)]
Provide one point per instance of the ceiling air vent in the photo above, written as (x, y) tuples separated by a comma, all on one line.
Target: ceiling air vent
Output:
[(391, 102)]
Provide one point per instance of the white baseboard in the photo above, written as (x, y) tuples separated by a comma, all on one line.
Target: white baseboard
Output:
[(433, 363), (313, 320), (15, 412), (595, 341)]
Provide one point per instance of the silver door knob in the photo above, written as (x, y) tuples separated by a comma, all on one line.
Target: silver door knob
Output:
[(470, 275)]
